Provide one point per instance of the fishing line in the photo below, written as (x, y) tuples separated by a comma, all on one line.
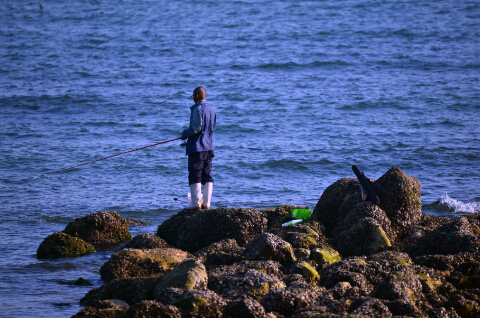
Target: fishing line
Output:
[(87, 163)]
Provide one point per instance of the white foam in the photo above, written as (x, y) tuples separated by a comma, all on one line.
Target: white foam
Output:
[(459, 206)]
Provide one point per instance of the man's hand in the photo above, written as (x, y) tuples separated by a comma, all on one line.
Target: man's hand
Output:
[(183, 138)]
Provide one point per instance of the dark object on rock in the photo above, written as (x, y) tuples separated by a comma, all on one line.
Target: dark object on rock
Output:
[(366, 185), (60, 244), (192, 230), (146, 241), (457, 236), (105, 227), (138, 263), (80, 282), (225, 252), (268, 246)]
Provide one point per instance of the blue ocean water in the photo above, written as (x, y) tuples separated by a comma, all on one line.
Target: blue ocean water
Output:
[(303, 90)]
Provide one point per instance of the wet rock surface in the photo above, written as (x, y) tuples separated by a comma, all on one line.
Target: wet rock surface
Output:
[(352, 259), (60, 244), (105, 227)]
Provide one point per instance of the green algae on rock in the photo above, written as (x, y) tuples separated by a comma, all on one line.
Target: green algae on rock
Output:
[(60, 244), (140, 263), (190, 274), (325, 256)]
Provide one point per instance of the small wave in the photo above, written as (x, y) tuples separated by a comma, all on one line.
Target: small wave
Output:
[(459, 206)]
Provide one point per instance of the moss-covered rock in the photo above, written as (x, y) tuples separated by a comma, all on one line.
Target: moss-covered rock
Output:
[(141, 263), (190, 274), (60, 244), (325, 256), (308, 272), (193, 303), (105, 227)]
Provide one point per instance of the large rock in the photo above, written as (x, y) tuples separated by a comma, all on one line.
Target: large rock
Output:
[(225, 252), (269, 246), (151, 308), (193, 303), (190, 274), (244, 307), (105, 227), (366, 237), (192, 230), (460, 235), (61, 244), (141, 263), (130, 290), (328, 206), (248, 278), (146, 241), (399, 203), (305, 235), (295, 298), (400, 198)]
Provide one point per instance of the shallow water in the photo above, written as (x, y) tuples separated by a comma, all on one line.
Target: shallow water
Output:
[(303, 90)]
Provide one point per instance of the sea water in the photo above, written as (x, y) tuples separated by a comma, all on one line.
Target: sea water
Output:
[(303, 90)]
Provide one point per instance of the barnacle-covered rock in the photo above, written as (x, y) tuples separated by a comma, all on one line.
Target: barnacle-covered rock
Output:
[(105, 227)]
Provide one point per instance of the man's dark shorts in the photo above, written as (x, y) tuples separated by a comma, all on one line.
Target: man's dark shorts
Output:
[(200, 167)]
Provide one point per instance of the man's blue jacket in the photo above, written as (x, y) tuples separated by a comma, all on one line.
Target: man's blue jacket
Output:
[(200, 131)]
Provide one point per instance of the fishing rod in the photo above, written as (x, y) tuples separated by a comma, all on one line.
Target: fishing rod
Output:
[(87, 163)]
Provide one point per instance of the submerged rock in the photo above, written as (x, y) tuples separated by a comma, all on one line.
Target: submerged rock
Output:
[(105, 227), (192, 230), (60, 244), (141, 263)]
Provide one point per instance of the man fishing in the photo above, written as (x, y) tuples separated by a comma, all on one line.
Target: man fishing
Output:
[(200, 150)]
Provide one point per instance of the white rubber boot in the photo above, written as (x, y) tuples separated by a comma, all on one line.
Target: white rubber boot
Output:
[(196, 193), (207, 195)]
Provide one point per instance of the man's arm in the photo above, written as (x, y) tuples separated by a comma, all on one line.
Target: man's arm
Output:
[(196, 123)]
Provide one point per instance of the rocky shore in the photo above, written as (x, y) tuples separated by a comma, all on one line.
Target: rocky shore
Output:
[(352, 258)]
